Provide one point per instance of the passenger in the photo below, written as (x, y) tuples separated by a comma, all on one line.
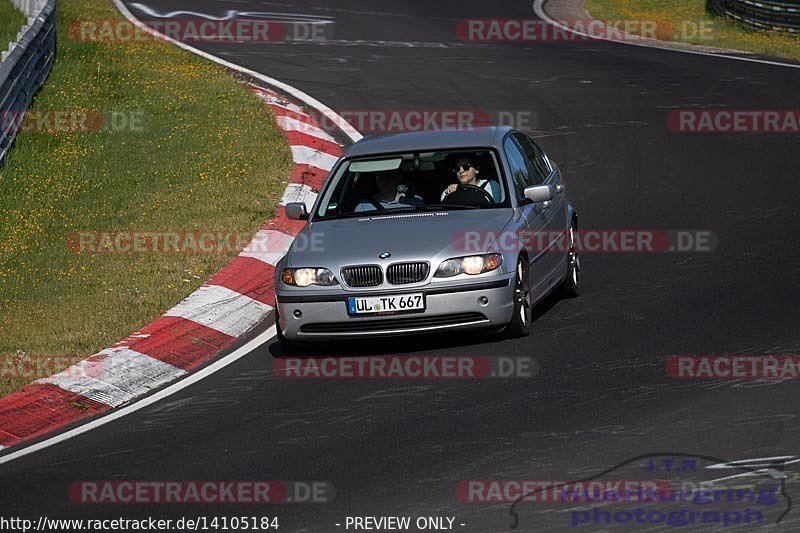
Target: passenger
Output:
[(392, 194), (467, 172)]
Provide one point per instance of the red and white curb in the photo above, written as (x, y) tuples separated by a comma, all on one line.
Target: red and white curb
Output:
[(227, 306), (540, 8)]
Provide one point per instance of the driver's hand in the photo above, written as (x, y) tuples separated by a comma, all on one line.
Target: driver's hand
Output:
[(451, 189)]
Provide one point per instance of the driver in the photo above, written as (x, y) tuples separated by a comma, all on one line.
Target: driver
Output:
[(467, 172), (391, 194)]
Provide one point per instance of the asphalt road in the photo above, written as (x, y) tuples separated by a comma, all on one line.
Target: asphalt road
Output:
[(601, 395)]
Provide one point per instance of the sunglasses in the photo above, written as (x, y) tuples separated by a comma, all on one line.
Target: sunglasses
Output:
[(464, 166)]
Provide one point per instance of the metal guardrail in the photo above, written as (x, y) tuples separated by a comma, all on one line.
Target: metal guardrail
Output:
[(780, 15), (29, 8), (25, 66)]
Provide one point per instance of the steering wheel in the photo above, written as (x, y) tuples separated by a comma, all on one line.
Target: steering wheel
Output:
[(469, 195)]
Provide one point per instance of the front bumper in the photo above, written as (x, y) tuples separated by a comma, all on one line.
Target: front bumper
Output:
[(451, 307)]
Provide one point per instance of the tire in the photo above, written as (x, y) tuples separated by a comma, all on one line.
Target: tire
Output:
[(520, 325), (572, 282)]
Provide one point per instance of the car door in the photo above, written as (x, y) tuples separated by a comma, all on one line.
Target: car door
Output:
[(533, 217), (555, 210)]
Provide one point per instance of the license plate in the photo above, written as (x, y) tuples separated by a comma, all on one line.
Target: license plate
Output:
[(386, 304)]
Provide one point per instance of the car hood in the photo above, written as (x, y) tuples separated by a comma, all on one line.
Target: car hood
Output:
[(407, 237)]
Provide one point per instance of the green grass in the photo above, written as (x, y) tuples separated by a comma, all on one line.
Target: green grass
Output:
[(208, 157), (11, 20), (684, 16)]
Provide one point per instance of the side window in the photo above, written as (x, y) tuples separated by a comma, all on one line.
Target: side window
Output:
[(535, 158), (541, 159), (520, 174)]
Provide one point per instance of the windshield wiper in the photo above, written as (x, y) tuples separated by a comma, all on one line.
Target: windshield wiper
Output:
[(444, 207), (409, 209), (376, 212)]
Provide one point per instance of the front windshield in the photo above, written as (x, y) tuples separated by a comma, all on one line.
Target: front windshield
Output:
[(442, 180)]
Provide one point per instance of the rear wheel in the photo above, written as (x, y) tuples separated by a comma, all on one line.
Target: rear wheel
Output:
[(572, 283), (520, 325)]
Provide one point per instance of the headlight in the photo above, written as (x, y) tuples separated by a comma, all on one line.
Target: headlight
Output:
[(303, 277), (472, 265)]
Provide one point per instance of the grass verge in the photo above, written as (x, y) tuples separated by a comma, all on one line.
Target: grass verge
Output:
[(691, 23), (11, 20), (183, 147)]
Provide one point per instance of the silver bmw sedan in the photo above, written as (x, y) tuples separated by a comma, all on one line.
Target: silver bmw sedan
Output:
[(429, 231)]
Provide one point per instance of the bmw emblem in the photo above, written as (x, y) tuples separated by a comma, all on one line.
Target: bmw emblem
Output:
[(384, 255)]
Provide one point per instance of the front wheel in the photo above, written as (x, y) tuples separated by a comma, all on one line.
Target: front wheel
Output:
[(520, 325), (572, 283)]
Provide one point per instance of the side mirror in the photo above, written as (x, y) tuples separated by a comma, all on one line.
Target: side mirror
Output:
[(538, 193), (296, 211)]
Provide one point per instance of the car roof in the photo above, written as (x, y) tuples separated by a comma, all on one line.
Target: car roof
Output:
[(486, 137)]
